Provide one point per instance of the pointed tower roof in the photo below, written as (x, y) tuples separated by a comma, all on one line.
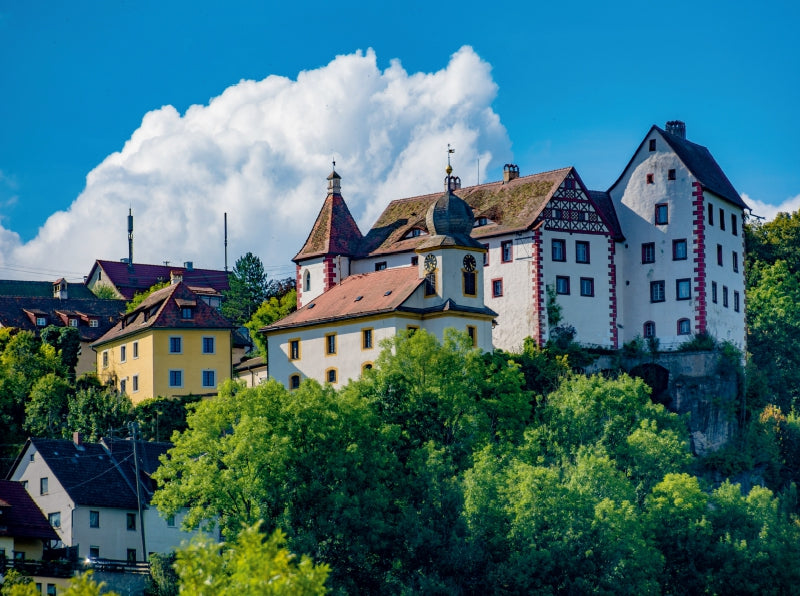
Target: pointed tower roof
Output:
[(335, 232), (449, 218)]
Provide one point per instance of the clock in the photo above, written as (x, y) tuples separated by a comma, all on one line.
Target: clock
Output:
[(469, 263), (430, 263)]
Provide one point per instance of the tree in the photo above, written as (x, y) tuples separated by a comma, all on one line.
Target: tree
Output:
[(48, 406), (95, 412), (105, 292), (271, 310), (248, 565), (140, 297), (248, 289), (67, 343), (159, 417)]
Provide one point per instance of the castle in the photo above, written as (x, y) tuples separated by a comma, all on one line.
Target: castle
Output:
[(657, 255)]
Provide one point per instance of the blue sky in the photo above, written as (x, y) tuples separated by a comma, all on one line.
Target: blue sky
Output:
[(570, 83)]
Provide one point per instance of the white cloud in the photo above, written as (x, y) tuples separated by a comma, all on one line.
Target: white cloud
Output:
[(767, 211), (261, 151)]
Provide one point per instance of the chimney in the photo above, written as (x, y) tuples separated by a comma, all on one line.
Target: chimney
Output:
[(510, 172), (677, 128), (77, 438), (175, 277), (60, 289), (188, 265)]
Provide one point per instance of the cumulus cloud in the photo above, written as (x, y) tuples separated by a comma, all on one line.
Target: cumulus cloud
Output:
[(261, 152), (767, 211)]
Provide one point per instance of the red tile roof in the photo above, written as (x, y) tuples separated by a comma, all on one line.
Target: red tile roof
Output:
[(379, 292), (162, 310), (19, 515), (141, 277), (335, 232)]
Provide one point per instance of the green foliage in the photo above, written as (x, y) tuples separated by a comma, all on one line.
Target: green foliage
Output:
[(95, 412), (140, 297), (84, 585), (105, 292), (542, 369), (249, 565), (48, 406), (159, 417), (67, 343), (17, 584), (554, 310), (270, 311), (700, 342), (164, 579), (248, 289)]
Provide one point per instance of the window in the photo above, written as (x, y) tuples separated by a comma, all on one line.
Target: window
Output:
[(55, 519), (171, 520), (175, 345), (365, 367), (721, 219), (470, 283), (581, 251), (380, 266), (43, 485), (497, 288), (725, 296), (123, 385), (671, 174), (714, 292), (19, 555), (480, 221), (486, 255), (649, 329), (735, 260), (587, 286), (662, 214), (506, 251), (657, 291), (105, 358), (652, 144), (94, 552), (123, 353), (414, 260), (130, 555), (307, 281), (679, 250), (411, 329), (94, 323), (330, 344), (366, 339), (176, 378), (135, 350), (186, 312), (649, 252), (684, 327), (683, 289), (51, 590), (130, 521), (412, 233), (562, 284), (734, 226), (294, 349), (330, 375), (94, 519), (472, 332), (736, 305), (208, 345), (559, 250), (719, 255), (430, 284), (209, 378), (710, 214), (294, 381), (73, 322), (135, 383), (649, 178), (41, 321)]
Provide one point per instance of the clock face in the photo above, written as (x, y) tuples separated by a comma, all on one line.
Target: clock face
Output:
[(469, 263), (430, 263)]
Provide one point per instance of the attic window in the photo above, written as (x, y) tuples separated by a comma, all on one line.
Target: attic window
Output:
[(671, 174), (94, 323), (652, 144), (73, 322), (358, 298), (186, 312), (480, 221), (414, 232), (387, 292), (312, 305), (41, 321), (650, 178)]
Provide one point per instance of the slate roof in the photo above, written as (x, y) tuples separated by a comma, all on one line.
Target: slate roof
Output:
[(511, 207), (42, 289), (605, 205), (19, 515), (21, 311), (335, 232), (162, 310), (141, 277)]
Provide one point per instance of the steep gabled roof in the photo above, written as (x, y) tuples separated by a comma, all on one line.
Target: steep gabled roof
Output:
[(511, 207), (605, 205), (140, 277), (42, 289), (14, 313), (19, 515), (335, 232), (162, 310), (379, 292)]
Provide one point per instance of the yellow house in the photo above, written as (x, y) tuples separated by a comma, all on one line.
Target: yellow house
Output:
[(172, 344)]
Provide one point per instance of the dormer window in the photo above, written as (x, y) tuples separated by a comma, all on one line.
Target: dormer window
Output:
[(94, 323), (41, 321), (480, 221), (73, 322), (186, 312), (414, 232)]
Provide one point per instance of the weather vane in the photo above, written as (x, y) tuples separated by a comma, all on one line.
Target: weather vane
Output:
[(449, 151)]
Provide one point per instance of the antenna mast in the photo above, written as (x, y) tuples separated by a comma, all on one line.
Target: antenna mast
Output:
[(226, 241), (130, 238)]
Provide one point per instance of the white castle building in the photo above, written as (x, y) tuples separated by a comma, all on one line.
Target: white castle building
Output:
[(659, 254)]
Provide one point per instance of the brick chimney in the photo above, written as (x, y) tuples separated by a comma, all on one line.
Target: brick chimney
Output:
[(77, 438), (175, 276), (510, 172), (677, 128)]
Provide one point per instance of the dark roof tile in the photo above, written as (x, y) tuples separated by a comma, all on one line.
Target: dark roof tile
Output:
[(19, 515)]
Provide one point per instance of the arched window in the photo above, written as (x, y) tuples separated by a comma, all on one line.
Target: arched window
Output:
[(684, 327), (365, 367), (331, 375), (294, 381), (307, 281), (649, 329)]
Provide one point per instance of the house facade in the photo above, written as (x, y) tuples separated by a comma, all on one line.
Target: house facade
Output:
[(89, 493), (172, 344)]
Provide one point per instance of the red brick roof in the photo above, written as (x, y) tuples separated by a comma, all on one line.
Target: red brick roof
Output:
[(141, 277), (162, 310), (20, 517), (379, 292), (335, 232)]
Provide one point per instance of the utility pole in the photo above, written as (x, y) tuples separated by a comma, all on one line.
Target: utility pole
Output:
[(133, 427)]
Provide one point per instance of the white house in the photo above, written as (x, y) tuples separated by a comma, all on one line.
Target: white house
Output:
[(88, 493)]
